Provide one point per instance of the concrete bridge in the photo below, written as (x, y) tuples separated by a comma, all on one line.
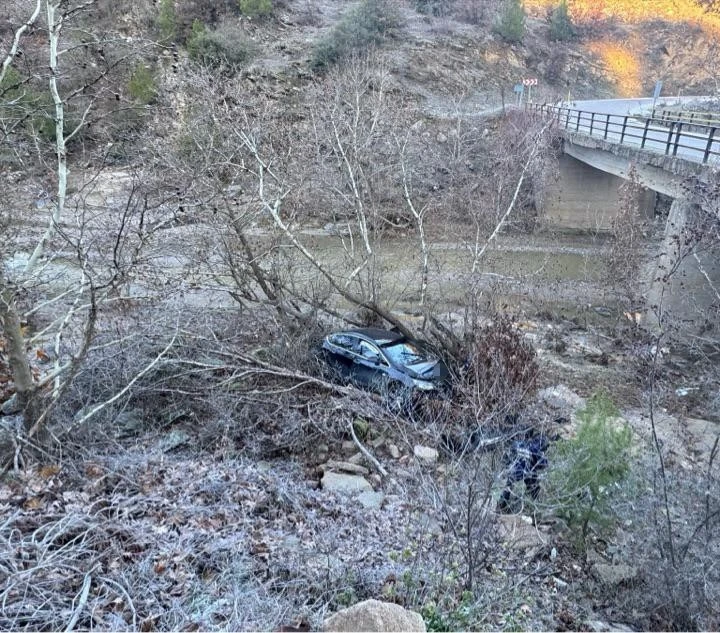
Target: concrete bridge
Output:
[(606, 142)]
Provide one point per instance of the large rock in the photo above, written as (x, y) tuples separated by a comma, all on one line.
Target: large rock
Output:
[(518, 533), (340, 482), (561, 398), (373, 615), (426, 454), (608, 627), (11, 405), (614, 575), (348, 467), (370, 499)]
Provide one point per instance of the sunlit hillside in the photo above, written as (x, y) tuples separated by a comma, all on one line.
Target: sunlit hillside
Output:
[(634, 11), (635, 43)]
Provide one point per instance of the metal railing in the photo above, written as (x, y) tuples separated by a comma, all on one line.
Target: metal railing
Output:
[(694, 142), (691, 117)]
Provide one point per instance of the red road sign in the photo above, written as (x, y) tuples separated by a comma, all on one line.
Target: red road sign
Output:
[(530, 81)]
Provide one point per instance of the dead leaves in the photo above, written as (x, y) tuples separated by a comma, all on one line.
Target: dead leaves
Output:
[(93, 470), (33, 503), (46, 472)]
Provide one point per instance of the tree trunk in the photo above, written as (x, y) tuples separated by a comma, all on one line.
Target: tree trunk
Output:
[(19, 365)]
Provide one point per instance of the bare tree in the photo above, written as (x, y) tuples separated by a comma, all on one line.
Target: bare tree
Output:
[(104, 246)]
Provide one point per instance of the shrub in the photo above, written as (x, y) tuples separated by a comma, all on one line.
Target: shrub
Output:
[(557, 61), (586, 471), (511, 24), (500, 369), (10, 85), (255, 8), (224, 47), (32, 109), (561, 26), (166, 21), (142, 87), (208, 12), (367, 24)]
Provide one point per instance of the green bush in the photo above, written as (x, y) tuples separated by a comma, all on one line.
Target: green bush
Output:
[(561, 26), (461, 615), (224, 47), (166, 22), (142, 87), (587, 470), (27, 107), (10, 85), (366, 24), (511, 23), (255, 8)]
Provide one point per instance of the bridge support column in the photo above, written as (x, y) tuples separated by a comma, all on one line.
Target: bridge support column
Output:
[(586, 198), (683, 289)]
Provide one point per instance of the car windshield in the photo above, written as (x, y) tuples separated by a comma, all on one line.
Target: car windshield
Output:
[(406, 354)]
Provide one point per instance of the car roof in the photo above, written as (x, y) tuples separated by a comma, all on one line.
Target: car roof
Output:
[(378, 335)]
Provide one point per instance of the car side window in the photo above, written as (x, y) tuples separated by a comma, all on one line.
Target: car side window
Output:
[(370, 352), (343, 340)]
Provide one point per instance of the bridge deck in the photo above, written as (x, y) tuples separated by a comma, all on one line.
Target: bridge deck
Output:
[(692, 142)]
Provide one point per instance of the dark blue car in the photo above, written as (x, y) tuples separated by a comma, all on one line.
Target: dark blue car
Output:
[(386, 362)]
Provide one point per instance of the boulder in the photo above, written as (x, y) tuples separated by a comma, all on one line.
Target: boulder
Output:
[(394, 451), (561, 398), (11, 405), (425, 453), (370, 499), (614, 575), (519, 534), (608, 627), (348, 467), (174, 439), (373, 615), (341, 482)]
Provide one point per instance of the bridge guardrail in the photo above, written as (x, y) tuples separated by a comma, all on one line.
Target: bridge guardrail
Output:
[(696, 142), (691, 117)]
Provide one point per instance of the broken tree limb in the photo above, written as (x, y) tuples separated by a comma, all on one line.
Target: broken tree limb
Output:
[(370, 457)]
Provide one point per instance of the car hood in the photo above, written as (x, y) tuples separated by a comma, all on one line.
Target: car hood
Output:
[(427, 370)]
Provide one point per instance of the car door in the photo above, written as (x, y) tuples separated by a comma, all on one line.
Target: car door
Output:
[(369, 364), (341, 356)]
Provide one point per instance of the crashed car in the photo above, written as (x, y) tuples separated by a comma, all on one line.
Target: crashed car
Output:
[(386, 362)]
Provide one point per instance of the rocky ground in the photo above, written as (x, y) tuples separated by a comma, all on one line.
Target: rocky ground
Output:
[(143, 530)]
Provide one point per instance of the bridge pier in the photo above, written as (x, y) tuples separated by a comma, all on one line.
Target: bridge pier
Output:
[(586, 198), (684, 288)]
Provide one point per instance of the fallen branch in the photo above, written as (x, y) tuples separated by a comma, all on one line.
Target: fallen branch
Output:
[(120, 393), (366, 452), (84, 592)]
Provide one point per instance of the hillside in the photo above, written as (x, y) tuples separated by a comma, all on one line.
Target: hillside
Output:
[(448, 50)]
